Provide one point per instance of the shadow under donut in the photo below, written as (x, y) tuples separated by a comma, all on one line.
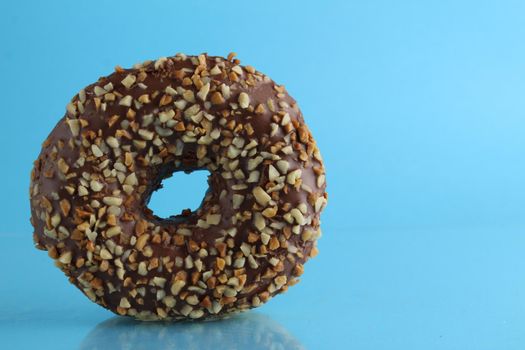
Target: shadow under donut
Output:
[(252, 331)]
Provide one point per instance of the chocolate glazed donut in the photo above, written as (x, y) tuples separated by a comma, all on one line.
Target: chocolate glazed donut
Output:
[(255, 228)]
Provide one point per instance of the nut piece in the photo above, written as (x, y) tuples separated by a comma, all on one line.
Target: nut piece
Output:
[(273, 174), (96, 151), (259, 221), (176, 286), (216, 98), (82, 191), (298, 216), (112, 142), (270, 212), (126, 101), (215, 70), (237, 200), (74, 126), (319, 204), (113, 231), (292, 177), (165, 116), (96, 186), (283, 166), (213, 219), (131, 180), (244, 100), (142, 270), (99, 91), (105, 254), (261, 196), (141, 241), (124, 303), (129, 80), (116, 201), (203, 92), (65, 207), (62, 166), (320, 180), (65, 258), (146, 134)]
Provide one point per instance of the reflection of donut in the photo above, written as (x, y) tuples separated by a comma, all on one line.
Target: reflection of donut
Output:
[(247, 331), (256, 226)]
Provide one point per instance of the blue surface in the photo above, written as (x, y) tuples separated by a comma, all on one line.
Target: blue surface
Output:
[(418, 109)]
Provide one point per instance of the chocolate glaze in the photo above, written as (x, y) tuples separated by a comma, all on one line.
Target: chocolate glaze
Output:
[(80, 256)]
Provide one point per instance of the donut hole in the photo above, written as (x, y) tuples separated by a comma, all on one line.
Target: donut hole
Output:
[(179, 191)]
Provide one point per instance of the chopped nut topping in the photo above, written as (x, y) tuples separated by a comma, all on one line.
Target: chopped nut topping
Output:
[(144, 98), (165, 99), (176, 286), (213, 219), (216, 98), (225, 90), (74, 126), (237, 200), (126, 101), (62, 166), (129, 80), (171, 91), (105, 254), (65, 207), (273, 174), (167, 115), (146, 134), (112, 142), (65, 258), (292, 177), (99, 91), (189, 96), (96, 151), (244, 100), (320, 181), (113, 231), (124, 303), (237, 69), (319, 204), (141, 241), (270, 212), (261, 196), (203, 92), (82, 191), (298, 216), (96, 186), (116, 201), (258, 221), (215, 70)]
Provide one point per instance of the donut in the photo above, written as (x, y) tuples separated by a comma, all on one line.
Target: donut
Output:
[(120, 137)]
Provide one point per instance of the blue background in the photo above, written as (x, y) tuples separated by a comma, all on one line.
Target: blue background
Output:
[(418, 109)]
